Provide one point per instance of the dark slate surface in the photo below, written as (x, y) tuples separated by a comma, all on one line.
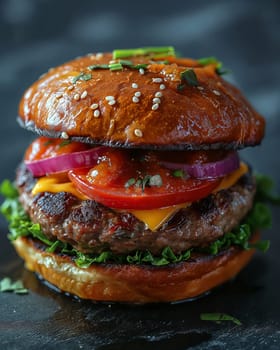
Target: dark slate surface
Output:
[(245, 35)]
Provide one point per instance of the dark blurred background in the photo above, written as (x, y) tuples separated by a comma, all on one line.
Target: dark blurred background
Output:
[(245, 35)]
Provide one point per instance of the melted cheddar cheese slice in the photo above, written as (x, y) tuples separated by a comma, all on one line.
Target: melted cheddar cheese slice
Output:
[(153, 218), (55, 184)]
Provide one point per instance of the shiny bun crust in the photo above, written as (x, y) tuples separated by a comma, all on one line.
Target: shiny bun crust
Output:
[(141, 108), (133, 283)]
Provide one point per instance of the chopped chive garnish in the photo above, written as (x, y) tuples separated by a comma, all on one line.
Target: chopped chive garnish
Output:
[(115, 66), (219, 317), (81, 76), (6, 285), (139, 66), (98, 66), (144, 51), (126, 63)]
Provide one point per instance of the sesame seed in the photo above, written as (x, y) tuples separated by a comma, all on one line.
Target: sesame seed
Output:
[(135, 99), (94, 173), (134, 85), (155, 106), (156, 100), (111, 102), (200, 88), (141, 71), (76, 97), (138, 133), (162, 86), (109, 98), (99, 55), (84, 94), (70, 87), (96, 113), (216, 92), (64, 135), (94, 106), (137, 93), (158, 94), (157, 80)]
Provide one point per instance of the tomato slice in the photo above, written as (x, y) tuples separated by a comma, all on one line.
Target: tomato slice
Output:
[(113, 183), (46, 147)]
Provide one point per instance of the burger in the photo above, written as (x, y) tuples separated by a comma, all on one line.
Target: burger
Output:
[(133, 190)]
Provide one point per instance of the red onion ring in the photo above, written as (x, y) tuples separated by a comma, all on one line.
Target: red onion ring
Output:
[(208, 170), (65, 162)]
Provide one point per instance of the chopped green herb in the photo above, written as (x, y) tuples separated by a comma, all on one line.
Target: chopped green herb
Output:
[(140, 65), (98, 66), (118, 65), (145, 182), (81, 76), (219, 317), (155, 180), (126, 63), (64, 143), (205, 61), (115, 66), (179, 173), (189, 77), (144, 51), (148, 180), (6, 285), (54, 247), (130, 182)]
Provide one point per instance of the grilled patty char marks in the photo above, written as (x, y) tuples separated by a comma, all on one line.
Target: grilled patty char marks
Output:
[(92, 228)]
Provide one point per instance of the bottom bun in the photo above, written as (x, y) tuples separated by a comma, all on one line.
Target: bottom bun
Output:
[(133, 283)]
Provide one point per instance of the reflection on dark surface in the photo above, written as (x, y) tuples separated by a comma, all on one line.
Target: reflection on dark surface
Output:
[(36, 35)]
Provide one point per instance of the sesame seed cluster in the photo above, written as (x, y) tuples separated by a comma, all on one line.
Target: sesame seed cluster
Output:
[(111, 100), (141, 99)]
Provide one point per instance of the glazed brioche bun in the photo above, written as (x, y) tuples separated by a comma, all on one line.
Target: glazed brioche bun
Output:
[(212, 115), (134, 283)]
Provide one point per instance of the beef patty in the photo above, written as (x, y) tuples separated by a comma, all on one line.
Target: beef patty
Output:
[(92, 228)]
